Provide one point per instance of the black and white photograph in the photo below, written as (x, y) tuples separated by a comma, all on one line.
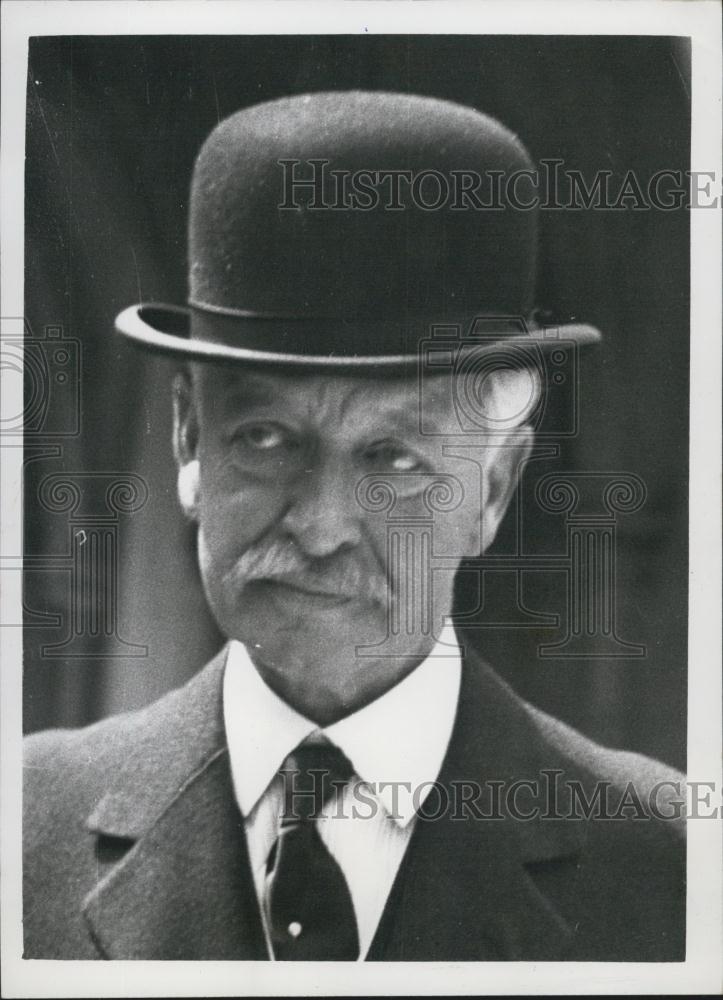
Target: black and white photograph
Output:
[(363, 594)]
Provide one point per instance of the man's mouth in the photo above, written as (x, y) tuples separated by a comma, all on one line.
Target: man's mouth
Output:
[(309, 592), (280, 569)]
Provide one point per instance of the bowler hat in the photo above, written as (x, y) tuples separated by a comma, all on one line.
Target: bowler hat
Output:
[(342, 229)]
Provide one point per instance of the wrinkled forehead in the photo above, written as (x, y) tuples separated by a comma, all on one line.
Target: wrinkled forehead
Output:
[(319, 395), (321, 398)]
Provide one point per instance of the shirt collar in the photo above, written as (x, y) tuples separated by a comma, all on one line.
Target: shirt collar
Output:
[(396, 743)]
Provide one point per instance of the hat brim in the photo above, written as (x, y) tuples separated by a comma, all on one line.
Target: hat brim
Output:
[(167, 329)]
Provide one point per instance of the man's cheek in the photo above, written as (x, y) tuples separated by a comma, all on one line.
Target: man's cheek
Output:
[(445, 518), (238, 509)]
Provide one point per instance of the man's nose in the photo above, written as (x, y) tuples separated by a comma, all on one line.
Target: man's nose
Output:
[(323, 514)]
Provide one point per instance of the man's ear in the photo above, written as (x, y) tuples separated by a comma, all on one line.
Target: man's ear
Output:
[(185, 444), (502, 470)]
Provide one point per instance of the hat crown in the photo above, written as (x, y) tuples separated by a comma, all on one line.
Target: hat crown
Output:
[(273, 233)]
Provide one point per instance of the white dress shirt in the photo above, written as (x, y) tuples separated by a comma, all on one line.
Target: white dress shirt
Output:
[(396, 746)]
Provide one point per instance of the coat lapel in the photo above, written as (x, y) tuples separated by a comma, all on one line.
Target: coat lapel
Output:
[(465, 890), (183, 889)]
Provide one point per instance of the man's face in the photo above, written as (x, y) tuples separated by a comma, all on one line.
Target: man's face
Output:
[(319, 527)]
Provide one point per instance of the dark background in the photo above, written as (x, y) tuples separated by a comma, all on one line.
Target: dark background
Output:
[(113, 126)]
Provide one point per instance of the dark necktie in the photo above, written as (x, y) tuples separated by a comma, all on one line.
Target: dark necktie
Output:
[(311, 914)]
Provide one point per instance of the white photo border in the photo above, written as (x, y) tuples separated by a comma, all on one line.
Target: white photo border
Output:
[(701, 972)]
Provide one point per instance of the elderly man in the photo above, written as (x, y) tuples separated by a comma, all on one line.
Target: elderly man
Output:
[(360, 367)]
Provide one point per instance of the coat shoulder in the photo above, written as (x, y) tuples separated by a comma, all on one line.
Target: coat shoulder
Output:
[(607, 850), (631, 777), (73, 766), (595, 781)]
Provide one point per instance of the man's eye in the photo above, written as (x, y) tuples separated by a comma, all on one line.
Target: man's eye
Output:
[(388, 456), (262, 437)]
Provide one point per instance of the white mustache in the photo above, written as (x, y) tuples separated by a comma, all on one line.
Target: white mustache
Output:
[(282, 562)]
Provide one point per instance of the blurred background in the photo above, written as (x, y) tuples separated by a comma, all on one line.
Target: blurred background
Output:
[(114, 612)]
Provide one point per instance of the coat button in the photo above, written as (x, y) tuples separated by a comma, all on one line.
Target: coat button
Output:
[(294, 928)]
